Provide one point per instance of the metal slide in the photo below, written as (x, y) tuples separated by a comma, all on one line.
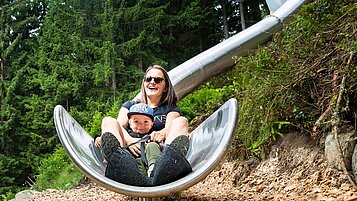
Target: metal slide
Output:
[(192, 73), (209, 144), (211, 139)]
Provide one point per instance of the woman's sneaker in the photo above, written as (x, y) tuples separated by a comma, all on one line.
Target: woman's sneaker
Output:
[(181, 144), (109, 144)]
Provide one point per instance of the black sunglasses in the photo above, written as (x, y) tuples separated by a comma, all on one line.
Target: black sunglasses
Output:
[(157, 80)]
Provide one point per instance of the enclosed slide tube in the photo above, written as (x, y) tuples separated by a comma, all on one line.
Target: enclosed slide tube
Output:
[(210, 141), (192, 73)]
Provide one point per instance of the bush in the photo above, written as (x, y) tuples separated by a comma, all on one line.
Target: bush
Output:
[(57, 171), (202, 102)]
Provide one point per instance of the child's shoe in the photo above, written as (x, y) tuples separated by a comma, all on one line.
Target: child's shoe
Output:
[(150, 169)]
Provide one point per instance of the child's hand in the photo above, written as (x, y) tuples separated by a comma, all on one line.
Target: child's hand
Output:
[(135, 148), (97, 142)]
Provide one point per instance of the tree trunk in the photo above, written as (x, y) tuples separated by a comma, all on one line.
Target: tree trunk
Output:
[(251, 12), (225, 21), (114, 82), (201, 42), (141, 63), (242, 17)]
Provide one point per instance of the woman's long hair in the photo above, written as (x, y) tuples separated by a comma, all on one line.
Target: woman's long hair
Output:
[(169, 96)]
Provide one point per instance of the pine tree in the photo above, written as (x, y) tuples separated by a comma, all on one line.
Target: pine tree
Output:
[(19, 22)]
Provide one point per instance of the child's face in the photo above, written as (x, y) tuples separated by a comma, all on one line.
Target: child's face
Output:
[(140, 123)]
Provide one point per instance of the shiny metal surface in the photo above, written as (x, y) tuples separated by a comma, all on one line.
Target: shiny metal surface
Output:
[(208, 146), (192, 73), (274, 4)]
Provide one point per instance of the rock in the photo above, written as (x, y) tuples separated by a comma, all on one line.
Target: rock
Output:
[(290, 187), (25, 195), (316, 190), (346, 136), (345, 187)]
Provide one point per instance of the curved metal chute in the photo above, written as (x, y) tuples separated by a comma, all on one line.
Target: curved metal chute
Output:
[(209, 144)]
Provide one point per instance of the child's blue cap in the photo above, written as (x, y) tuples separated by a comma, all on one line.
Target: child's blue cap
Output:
[(141, 108)]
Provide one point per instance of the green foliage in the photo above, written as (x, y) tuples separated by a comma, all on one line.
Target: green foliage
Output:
[(277, 87), (8, 196), (258, 83), (7, 174), (202, 102), (261, 80), (18, 146), (94, 122), (57, 171)]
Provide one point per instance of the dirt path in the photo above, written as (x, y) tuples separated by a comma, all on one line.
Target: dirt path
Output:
[(296, 170)]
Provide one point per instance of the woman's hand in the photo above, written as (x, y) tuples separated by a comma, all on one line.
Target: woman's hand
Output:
[(97, 142), (158, 136), (135, 148)]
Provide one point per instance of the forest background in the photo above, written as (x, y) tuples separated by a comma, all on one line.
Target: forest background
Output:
[(89, 56)]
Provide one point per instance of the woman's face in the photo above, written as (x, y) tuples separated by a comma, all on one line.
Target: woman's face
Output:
[(154, 84)]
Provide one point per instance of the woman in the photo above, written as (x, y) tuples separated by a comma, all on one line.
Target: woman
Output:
[(169, 127), (158, 92)]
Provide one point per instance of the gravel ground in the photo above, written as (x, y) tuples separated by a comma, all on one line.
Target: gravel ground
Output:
[(296, 170)]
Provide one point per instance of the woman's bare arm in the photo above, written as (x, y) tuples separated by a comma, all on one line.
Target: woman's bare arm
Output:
[(161, 135)]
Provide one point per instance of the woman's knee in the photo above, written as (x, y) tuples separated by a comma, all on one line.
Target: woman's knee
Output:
[(110, 124), (179, 127), (180, 122), (108, 121)]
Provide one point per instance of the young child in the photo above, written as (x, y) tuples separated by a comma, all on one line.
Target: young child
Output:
[(141, 120)]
